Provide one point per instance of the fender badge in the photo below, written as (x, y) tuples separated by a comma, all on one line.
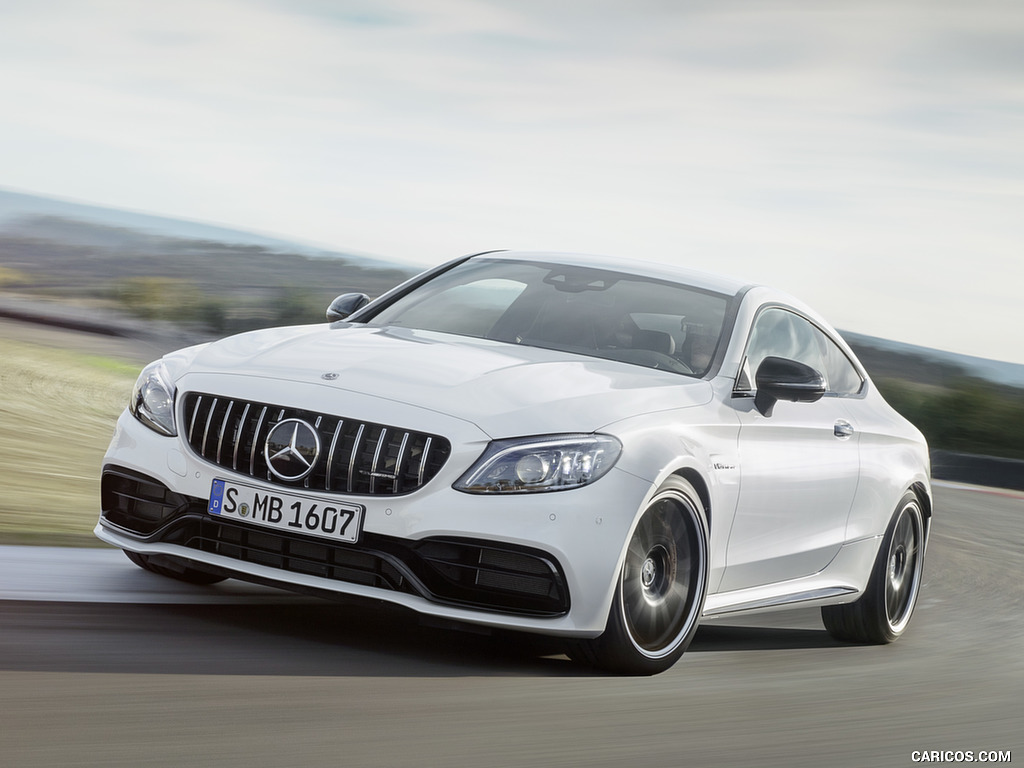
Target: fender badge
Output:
[(328, 376), (720, 462)]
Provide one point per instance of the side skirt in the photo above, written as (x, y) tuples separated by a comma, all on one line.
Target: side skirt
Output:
[(823, 596), (842, 581)]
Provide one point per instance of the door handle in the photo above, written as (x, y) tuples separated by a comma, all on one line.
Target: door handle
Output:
[(842, 429)]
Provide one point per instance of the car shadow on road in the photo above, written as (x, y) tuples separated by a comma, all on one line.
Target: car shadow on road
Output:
[(306, 639), (723, 639)]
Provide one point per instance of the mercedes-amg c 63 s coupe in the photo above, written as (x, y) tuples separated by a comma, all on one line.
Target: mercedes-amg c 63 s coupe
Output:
[(605, 451)]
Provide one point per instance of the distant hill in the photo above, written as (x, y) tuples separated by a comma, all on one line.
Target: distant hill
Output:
[(18, 210), (74, 259), (208, 280)]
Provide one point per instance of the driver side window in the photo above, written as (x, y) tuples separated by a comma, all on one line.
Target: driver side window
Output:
[(780, 333)]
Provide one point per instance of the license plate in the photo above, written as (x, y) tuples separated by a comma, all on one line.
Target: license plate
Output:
[(286, 512)]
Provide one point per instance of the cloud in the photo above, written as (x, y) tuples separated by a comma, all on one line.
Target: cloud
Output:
[(863, 155)]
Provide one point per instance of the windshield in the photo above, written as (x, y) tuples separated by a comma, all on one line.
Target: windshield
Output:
[(585, 311)]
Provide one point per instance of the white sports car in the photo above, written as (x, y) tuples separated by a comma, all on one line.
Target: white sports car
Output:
[(599, 450)]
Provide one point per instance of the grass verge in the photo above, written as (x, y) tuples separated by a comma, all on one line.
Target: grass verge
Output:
[(57, 413)]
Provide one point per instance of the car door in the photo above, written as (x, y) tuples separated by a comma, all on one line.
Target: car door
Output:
[(799, 465)]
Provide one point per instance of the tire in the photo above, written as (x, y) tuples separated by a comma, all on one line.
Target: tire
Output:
[(173, 568), (661, 587), (883, 612)]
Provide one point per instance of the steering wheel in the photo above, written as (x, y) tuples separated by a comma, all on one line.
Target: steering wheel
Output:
[(651, 359)]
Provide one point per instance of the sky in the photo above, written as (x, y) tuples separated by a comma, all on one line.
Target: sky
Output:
[(866, 156)]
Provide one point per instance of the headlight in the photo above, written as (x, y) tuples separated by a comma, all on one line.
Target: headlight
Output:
[(152, 400), (551, 463)]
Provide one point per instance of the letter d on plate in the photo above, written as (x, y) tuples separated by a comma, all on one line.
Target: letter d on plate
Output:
[(216, 497)]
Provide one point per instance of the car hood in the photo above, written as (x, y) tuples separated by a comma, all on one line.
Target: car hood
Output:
[(504, 389)]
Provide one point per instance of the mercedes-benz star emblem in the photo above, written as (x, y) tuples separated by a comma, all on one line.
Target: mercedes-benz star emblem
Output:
[(291, 449)]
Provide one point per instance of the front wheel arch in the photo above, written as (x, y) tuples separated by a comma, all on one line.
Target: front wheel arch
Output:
[(696, 479), (661, 586)]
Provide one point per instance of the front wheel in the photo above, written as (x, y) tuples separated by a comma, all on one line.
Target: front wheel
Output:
[(883, 612), (661, 589)]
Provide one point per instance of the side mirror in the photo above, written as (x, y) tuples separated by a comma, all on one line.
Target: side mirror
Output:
[(780, 379), (345, 305)]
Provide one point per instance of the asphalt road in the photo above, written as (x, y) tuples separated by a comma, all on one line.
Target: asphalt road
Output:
[(102, 664)]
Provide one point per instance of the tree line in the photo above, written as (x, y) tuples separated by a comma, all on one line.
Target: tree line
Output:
[(967, 415)]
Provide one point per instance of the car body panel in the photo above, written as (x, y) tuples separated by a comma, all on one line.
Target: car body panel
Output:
[(793, 504), (504, 389)]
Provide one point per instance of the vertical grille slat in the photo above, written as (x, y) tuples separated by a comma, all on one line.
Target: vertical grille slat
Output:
[(374, 467), (224, 428), (192, 421), (239, 434), (423, 461), (330, 455), (255, 442), (355, 457), (398, 462), (312, 480), (206, 429)]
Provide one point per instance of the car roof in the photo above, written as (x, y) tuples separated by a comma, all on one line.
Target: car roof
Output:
[(699, 279)]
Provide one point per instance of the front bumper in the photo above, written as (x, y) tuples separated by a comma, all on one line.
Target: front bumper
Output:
[(541, 562), (451, 571)]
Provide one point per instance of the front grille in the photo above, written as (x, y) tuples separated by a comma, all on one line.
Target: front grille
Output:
[(355, 457)]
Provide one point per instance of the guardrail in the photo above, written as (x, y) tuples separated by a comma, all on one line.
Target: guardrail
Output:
[(161, 336), (978, 470)]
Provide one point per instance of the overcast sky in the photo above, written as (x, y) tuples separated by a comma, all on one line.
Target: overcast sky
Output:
[(866, 156)]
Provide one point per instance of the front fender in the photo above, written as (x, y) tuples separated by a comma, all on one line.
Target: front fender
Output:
[(700, 445)]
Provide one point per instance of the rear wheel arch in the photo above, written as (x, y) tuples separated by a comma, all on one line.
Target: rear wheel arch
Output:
[(924, 498), (883, 611)]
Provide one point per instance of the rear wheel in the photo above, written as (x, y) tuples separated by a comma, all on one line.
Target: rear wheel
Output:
[(172, 567), (883, 612), (661, 588)]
